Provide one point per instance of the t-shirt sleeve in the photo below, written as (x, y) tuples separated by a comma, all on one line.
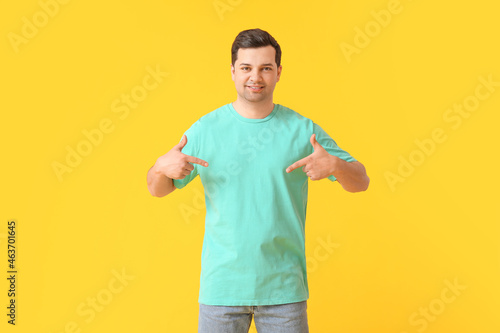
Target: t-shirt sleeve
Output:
[(191, 148), (331, 146)]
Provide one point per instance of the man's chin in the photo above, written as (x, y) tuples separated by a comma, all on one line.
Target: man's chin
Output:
[(255, 99)]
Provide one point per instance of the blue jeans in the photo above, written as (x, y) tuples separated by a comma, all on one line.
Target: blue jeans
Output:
[(281, 318)]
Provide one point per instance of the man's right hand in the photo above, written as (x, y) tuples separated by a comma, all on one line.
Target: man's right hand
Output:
[(175, 164)]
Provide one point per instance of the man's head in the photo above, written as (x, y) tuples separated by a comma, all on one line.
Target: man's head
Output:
[(254, 38), (256, 65)]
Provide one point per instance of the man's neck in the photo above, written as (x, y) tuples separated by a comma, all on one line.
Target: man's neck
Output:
[(253, 110)]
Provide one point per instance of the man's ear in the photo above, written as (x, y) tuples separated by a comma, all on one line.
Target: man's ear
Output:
[(279, 73), (232, 72)]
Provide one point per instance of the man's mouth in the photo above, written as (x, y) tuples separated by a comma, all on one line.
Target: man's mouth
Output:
[(255, 88)]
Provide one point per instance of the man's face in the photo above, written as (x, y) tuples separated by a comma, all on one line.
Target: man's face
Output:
[(255, 73)]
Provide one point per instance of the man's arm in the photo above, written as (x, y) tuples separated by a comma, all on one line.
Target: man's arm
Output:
[(159, 185), (172, 165), (351, 175)]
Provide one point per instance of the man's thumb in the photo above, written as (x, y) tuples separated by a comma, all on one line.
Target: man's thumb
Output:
[(314, 143), (183, 142)]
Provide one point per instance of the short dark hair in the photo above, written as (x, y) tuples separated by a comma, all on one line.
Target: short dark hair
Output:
[(253, 38)]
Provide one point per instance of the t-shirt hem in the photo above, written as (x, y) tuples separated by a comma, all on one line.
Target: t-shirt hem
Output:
[(252, 302)]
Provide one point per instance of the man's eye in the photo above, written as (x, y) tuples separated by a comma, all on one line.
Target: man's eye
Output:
[(244, 68), (268, 68)]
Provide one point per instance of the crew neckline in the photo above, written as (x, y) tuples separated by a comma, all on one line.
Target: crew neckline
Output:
[(253, 120)]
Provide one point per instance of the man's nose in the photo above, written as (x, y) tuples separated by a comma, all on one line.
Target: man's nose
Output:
[(255, 76)]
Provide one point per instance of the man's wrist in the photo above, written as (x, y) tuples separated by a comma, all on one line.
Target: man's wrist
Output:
[(337, 167)]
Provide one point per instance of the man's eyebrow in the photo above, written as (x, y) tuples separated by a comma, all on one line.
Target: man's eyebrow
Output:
[(245, 64)]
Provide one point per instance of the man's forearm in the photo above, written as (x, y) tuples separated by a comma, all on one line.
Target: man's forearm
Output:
[(159, 185), (351, 175)]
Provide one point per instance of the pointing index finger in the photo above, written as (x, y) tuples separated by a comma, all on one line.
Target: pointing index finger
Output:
[(196, 160), (297, 164)]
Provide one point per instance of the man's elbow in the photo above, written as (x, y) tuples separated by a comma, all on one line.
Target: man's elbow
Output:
[(160, 194), (365, 184), (157, 195), (361, 186), (153, 192)]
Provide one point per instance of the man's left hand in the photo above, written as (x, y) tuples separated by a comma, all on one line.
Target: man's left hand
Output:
[(320, 164)]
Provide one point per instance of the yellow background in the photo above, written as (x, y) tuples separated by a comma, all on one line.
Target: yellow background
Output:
[(395, 248)]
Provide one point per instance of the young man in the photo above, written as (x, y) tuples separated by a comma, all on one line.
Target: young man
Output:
[(248, 154)]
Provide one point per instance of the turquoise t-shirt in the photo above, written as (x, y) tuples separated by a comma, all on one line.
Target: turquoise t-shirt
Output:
[(254, 244)]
